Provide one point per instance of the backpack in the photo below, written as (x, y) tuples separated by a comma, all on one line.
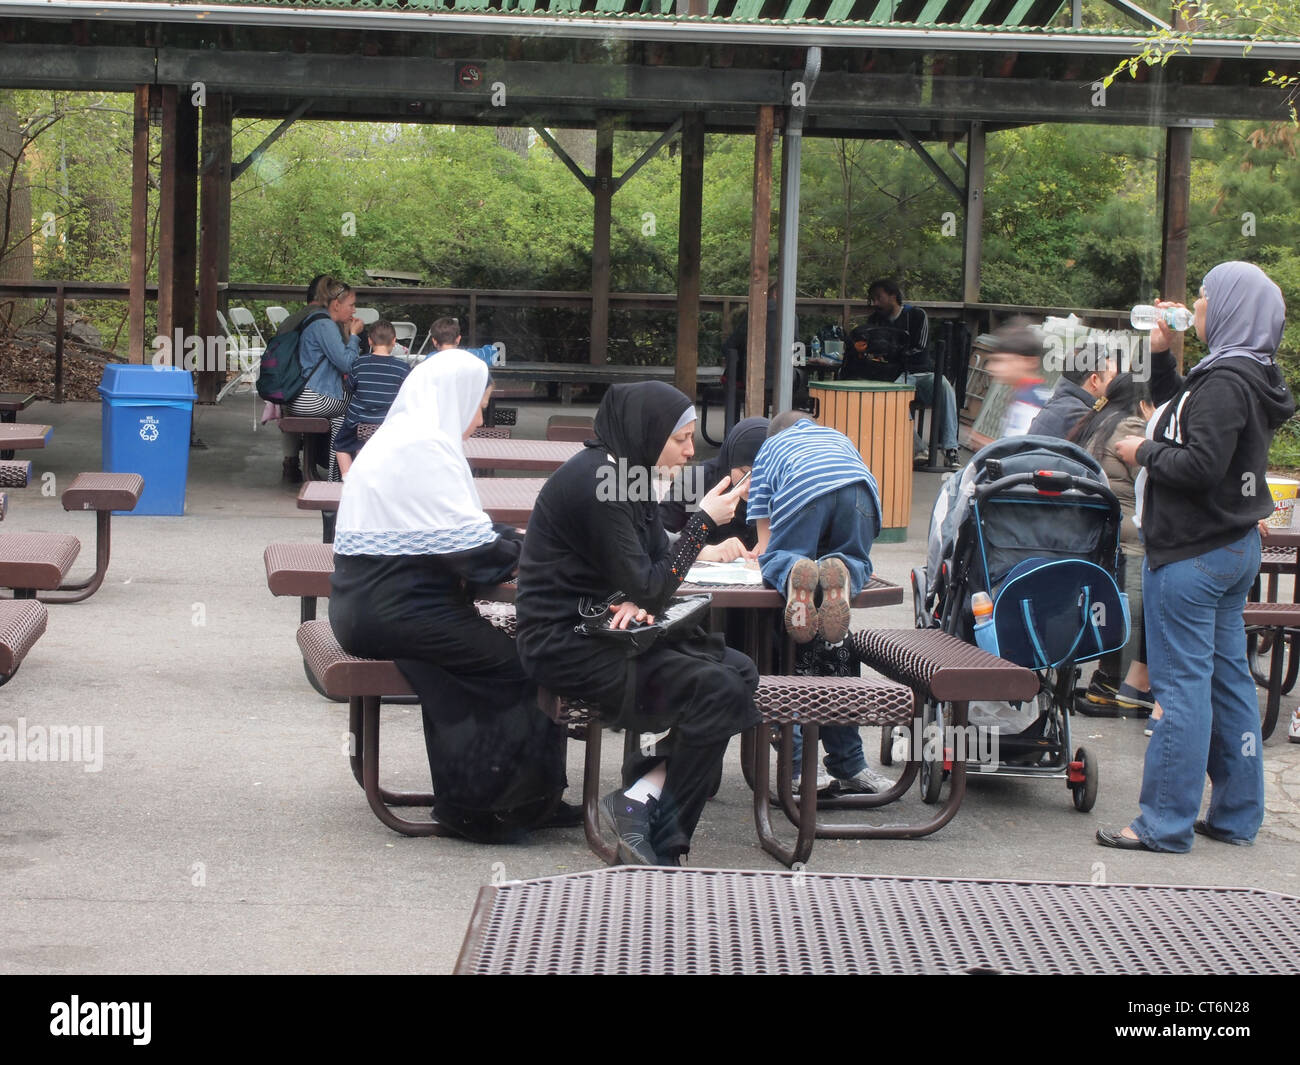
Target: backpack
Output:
[(281, 379)]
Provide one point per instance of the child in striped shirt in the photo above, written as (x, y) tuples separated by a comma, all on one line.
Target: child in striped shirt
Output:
[(812, 497), (375, 381)]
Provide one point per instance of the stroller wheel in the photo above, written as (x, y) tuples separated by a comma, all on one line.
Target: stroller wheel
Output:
[(1085, 791), (931, 744)]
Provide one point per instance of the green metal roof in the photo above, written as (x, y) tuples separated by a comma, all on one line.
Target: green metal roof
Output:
[(1006, 16), (912, 14)]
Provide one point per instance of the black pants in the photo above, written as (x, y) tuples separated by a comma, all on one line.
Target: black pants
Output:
[(705, 693)]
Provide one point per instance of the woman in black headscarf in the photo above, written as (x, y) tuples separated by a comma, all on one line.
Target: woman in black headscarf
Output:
[(734, 459), (595, 537)]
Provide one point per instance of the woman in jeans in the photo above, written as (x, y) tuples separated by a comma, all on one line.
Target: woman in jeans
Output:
[(1205, 491)]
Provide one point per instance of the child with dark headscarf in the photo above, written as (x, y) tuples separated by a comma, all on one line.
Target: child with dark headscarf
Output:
[(734, 459), (595, 538)]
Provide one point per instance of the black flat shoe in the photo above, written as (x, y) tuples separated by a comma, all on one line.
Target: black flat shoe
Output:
[(566, 815), (1121, 842), (1202, 828)]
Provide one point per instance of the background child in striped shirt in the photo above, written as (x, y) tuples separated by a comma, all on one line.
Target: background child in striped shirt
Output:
[(375, 381), (813, 498)]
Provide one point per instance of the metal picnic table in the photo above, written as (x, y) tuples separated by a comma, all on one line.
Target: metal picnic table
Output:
[(712, 921), (505, 499), (544, 456)]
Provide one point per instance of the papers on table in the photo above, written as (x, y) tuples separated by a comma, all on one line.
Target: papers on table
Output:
[(738, 572)]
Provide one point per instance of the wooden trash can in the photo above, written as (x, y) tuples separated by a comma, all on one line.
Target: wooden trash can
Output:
[(874, 415)]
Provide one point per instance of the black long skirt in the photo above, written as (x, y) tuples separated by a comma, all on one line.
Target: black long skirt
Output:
[(497, 761)]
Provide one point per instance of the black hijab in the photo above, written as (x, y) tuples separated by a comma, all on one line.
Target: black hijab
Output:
[(635, 421), (740, 448)]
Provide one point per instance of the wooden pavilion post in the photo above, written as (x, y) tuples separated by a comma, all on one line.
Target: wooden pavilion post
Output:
[(603, 190), (139, 225), (759, 252), (691, 218), (167, 222), (973, 250), (1176, 202), (1176, 198), (214, 232), (185, 262)]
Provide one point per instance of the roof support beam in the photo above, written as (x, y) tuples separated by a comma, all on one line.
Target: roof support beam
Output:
[(555, 146), (269, 139), (938, 171)]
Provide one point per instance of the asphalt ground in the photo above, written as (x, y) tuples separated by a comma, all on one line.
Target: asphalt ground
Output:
[(224, 833)]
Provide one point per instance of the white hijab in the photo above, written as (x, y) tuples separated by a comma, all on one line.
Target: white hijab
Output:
[(410, 490)]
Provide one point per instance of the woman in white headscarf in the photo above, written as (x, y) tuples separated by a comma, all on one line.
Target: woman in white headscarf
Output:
[(411, 543), (1205, 491)]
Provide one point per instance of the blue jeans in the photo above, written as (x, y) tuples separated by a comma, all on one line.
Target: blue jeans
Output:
[(945, 410), (843, 524), (1196, 651), (840, 523), (843, 747)]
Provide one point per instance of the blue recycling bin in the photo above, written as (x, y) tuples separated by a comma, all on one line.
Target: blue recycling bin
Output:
[(146, 430)]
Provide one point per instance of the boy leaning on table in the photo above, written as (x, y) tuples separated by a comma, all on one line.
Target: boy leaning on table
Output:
[(812, 497)]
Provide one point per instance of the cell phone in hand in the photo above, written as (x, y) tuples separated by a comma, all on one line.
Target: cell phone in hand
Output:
[(741, 481)]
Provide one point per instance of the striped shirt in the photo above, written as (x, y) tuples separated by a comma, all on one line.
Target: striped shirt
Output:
[(799, 465), (376, 380)]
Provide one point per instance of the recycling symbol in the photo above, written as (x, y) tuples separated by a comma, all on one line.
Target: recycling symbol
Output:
[(149, 432)]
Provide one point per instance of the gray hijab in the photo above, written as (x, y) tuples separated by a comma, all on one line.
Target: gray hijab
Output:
[(1245, 316)]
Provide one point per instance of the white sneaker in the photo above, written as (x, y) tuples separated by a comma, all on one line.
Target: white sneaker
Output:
[(866, 782), (825, 782), (1293, 733)]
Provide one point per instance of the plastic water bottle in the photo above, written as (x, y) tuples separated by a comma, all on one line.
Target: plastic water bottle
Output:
[(982, 606), (816, 347), (1144, 316)]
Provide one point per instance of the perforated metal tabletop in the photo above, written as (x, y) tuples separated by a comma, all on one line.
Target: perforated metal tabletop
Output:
[(698, 921)]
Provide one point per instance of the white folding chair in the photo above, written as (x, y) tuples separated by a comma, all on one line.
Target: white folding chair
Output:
[(368, 315), (246, 357), (276, 315), (242, 319), (406, 332)]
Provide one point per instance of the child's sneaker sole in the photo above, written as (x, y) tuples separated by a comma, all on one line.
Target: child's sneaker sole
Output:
[(801, 615), (833, 576)]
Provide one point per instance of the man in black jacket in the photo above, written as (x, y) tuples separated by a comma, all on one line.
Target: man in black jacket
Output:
[(1083, 381), (894, 346)]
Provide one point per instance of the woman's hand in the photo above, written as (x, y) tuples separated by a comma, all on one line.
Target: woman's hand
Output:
[(626, 613), (1162, 336), (720, 504), (727, 551), (1264, 528), (1126, 449), (356, 325)]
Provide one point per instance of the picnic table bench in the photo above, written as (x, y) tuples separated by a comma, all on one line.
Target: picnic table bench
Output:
[(714, 921), (10, 404), (315, 434), (32, 562), (808, 701), (1273, 628), (22, 623)]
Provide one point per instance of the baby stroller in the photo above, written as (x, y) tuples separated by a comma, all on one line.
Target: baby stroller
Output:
[(1032, 522)]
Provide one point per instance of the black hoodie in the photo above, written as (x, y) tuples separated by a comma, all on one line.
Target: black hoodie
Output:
[(1207, 462)]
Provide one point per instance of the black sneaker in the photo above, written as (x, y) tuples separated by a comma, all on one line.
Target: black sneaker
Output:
[(1100, 699), (629, 820), (952, 458)]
